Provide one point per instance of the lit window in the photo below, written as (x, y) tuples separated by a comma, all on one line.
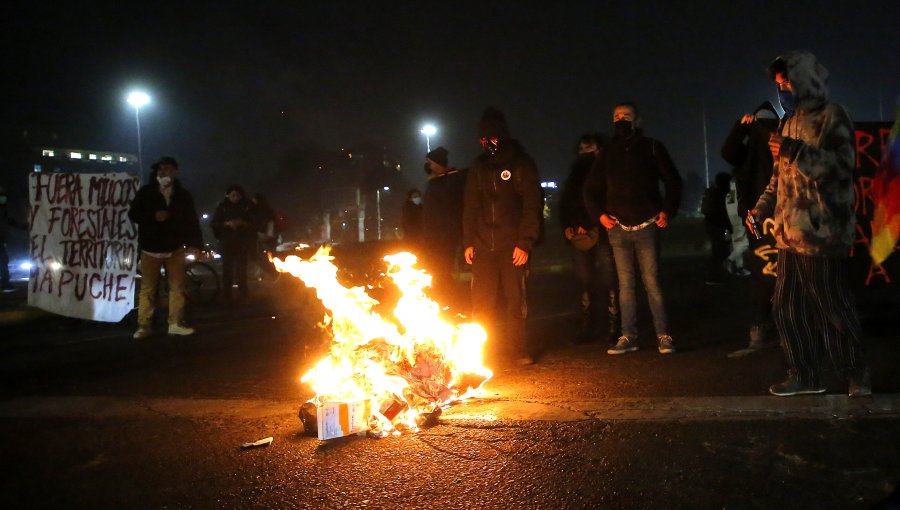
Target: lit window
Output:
[(92, 156), (75, 155), (122, 159), (48, 153), (106, 157)]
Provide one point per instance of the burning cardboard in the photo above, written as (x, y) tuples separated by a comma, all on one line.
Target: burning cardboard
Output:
[(397, 372)]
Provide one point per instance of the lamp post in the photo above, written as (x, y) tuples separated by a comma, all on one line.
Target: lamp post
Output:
[(428, 130), (137, 99)]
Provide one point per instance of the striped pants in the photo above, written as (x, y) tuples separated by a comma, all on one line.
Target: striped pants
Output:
[(814, 310)]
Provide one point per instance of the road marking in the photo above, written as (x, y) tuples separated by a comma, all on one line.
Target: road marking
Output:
[(499, 407)]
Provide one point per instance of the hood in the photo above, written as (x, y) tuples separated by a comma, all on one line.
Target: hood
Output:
[(808, 78)]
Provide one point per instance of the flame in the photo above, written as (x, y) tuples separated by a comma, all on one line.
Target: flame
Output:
[(408, 366)]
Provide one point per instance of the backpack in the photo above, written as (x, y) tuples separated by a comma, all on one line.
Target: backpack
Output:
[(280, 220)]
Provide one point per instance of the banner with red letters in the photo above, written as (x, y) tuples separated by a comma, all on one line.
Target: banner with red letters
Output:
[(83, 245)]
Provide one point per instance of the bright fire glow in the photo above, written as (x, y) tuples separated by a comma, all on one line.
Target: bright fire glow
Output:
[(408, 366)]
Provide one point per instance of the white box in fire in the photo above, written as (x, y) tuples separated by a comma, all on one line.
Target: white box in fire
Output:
[(339, 419)]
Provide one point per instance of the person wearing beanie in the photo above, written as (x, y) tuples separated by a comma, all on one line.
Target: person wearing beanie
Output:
[(442, 223), (502, 218), (810, 203), (746, 149)]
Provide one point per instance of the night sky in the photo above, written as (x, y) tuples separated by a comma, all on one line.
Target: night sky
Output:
[(234, 88)]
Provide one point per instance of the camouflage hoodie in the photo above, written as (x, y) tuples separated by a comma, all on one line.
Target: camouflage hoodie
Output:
[(810, 196)]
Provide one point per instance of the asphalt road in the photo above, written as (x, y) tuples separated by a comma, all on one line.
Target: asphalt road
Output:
[(91, 418)]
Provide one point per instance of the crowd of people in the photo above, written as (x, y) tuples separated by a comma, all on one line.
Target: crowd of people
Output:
[(794, 183)]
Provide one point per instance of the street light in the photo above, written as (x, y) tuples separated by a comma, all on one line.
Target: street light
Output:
[(137, 99), (428, 130)]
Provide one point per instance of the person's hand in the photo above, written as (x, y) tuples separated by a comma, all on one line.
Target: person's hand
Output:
[(662, 221), (469, 254), (775, 144), (581, 231), (754, 213), (161, 215), (569, 233), (748, 119), (520, 256), (607, 221)]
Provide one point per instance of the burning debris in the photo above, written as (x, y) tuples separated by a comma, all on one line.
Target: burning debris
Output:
[(382, 375)]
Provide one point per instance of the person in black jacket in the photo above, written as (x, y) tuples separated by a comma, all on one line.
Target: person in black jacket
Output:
[(502, 215), (442, 222), (233, 225), (718, 227), (747, 149), (411, 218), (592, 259), (168, 227), (623, 192)]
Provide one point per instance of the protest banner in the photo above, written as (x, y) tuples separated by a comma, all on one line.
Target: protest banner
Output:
[(83, 245)]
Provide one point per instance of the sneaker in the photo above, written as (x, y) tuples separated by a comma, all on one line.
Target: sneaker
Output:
[(142, 333), (861, 384), (7, 289), (791, 386), (624, 345), (666, 346), (178, 329)]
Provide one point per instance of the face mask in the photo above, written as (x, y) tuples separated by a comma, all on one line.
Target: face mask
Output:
[(490, 145), (164, 181), (2, 199), (786, 98), (417, 200), (623, 128)]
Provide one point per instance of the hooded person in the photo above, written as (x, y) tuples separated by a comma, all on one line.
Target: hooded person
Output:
[(167, 226), (502, 217), (746, 149), (810, 203)]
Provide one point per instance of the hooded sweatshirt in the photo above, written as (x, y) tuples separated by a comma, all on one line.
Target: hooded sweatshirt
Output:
[(810, 196)]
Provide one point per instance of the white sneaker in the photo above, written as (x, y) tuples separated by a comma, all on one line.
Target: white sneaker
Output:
[(142, 333), (178, 329)]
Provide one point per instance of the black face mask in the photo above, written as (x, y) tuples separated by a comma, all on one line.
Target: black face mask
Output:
[(490, 145), (623, 128)]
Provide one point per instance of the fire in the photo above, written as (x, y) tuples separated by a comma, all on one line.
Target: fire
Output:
[(404, 368)]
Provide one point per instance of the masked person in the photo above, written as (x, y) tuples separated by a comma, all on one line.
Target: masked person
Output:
[(233, 225), (442, 222), (411, 218), (623, 193), (810, 200), (746, 148), (502, 215), (168, 227), (592, 259)]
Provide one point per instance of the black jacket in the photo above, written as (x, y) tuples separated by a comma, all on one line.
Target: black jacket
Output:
[(503, 204), (181, 229), (443, 208), (624, 181), (747, 149), (572, 211), (230, 211)]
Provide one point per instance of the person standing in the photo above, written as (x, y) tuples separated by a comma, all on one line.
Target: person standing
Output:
[(266, 234), (442, 222), (623, 192), (810, 200), (592, 259), (718, 227), (233, 225), (411, 218), (502, 215), (746, 149), (168, 229), (6, 221)]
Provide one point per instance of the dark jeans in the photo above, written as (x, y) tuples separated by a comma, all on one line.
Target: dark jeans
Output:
[(493, 270), (595, 271), (234, 267), (642, 245), (720, 247)]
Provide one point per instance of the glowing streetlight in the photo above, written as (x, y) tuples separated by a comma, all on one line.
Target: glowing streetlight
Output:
[(137, 99), (428, 130)]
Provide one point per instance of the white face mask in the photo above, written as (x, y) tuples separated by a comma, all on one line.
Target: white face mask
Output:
[(417, 200), (164, 181)]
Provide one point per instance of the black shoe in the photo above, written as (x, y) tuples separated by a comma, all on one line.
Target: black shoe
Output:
[(791, 386)]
